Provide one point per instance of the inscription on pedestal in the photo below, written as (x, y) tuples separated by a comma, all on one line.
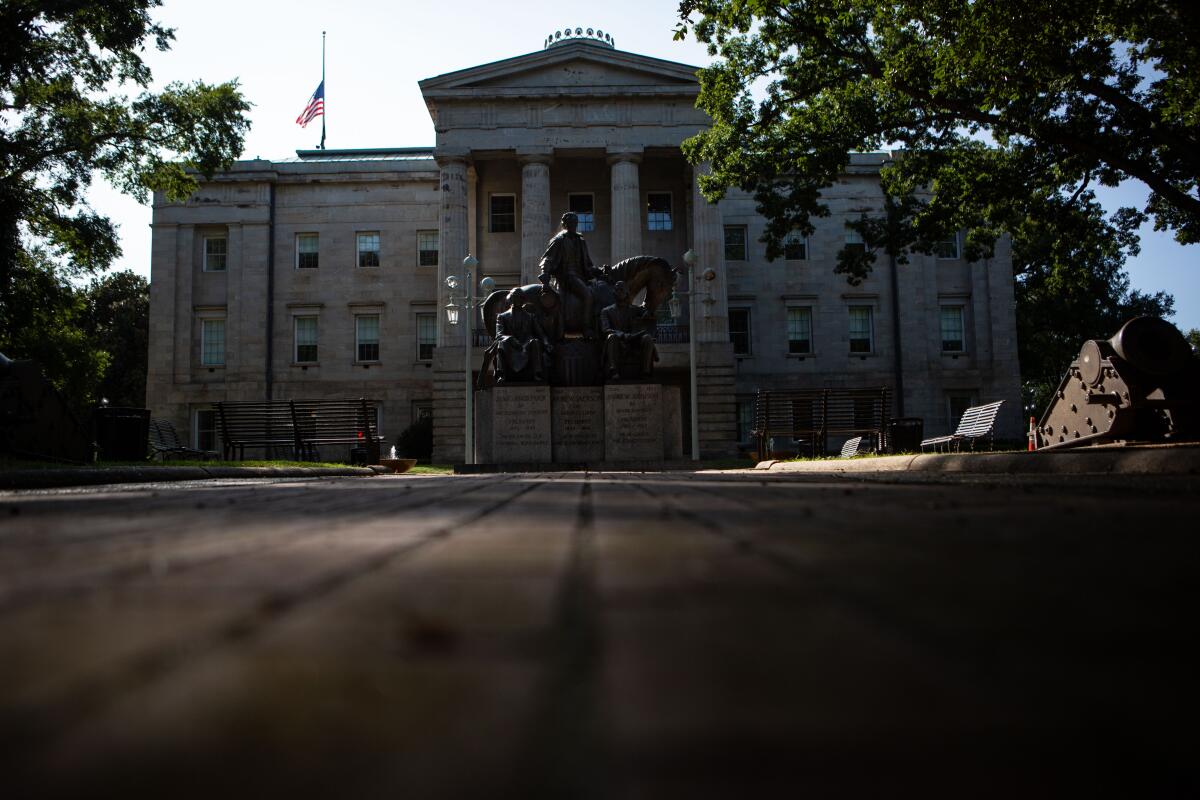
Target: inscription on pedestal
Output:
[(577, 424), (633, 419), (520, 424)]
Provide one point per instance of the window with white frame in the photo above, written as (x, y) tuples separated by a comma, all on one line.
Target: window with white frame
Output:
[(861, 330), (212, 342), (735, 242), (204, 429), (308, 246), (799, 330), (953, 340), (502, 213), (658, 211), (427, 248), (739, 330), (947, 248), (366, 337), (422, 409), (216, 253), (854, 241), (426, 336), (583, 206), (368, 248), (306, 339), (795, 247)]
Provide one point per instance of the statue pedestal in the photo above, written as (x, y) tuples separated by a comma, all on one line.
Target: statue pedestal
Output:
[(576, 363), (577, 424), (633, 422), (520, 424)]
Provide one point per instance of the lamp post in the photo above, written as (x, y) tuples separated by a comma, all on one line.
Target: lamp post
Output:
[(689, 258), (467, 309)]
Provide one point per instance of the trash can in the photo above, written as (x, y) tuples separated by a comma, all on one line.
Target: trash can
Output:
[(122, 434), (905, 434)]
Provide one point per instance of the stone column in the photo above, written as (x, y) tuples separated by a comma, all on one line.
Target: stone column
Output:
[(536, 222), (452, 234), (708, 243), (472, 210), (626, 204)]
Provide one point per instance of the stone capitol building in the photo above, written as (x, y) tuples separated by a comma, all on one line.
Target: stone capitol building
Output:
[(324, 275)]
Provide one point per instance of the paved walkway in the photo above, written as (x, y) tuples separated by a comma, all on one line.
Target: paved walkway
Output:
[(608, 636)]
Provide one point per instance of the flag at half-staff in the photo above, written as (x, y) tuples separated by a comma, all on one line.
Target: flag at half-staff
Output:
[(315, 107)]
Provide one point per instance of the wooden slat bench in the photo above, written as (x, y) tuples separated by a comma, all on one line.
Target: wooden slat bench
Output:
[(298, 427), (810, 417), (165, 441), (976, 423)]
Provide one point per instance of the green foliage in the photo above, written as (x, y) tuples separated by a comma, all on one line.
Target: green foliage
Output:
[(416, 441), (117, 321), (1069, 94), (63, 120), (1193, 337), (46, 321)]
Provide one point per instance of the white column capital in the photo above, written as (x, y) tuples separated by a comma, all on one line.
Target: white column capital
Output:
[(617, 155)]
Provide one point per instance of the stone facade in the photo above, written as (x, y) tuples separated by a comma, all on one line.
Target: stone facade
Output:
[(576, 125)]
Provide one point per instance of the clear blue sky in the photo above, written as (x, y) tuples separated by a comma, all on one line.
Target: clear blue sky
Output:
[(376, 53)]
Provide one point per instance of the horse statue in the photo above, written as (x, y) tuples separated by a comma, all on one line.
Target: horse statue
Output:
[(651, 273)]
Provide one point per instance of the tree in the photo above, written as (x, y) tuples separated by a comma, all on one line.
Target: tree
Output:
[(1193, 337), (62, 121), (117, 321), (1068, 94)]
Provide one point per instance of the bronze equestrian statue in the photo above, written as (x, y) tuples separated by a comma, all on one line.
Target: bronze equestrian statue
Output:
[(626, 330)]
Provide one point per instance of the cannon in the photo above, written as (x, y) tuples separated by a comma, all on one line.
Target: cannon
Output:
[(1142, 384)]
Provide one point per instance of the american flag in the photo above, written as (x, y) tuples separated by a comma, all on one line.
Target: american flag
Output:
[(315, 107)]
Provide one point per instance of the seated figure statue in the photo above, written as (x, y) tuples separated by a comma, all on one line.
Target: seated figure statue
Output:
[(521, 344), (625, 331)]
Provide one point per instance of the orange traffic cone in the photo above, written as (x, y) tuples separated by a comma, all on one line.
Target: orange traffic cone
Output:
[(1032, 434)]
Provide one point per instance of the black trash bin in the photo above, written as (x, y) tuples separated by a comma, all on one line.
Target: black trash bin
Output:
[(122, 434), (905, 434)]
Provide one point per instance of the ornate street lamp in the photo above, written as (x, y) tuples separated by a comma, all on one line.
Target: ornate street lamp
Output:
[(463, 306)]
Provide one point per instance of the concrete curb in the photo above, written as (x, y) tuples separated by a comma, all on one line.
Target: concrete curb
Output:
[(1133, 460), (53, 478)]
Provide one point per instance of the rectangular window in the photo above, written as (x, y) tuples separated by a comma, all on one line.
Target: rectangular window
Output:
[(795, 247), (427, 248), (952, 329), (204, 429), (584, 207), (799, 330), (368, 248), (658, 211), (366, 337), (307, 247), (854, 241), (947, 248), (956, 404), (212, 342), (739, 330), (745, 418), (860, 329), (502, 213), (216, 250), (426, 336), (735, 242), (422, 409), (306, 340)]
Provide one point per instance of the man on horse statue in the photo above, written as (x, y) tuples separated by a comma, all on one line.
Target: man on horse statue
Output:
[(567, 261)]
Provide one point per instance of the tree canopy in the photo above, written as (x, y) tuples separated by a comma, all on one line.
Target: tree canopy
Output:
[(990, 100), (63, 119)]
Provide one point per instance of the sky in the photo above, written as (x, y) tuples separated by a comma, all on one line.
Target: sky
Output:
[(377, 51)]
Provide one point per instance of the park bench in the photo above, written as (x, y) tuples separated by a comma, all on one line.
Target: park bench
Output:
[(297, 427), (165, 441), (853, 447), (976, 423), (807, 418)]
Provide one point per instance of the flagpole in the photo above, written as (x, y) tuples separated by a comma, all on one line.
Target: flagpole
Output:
[(325, 100)]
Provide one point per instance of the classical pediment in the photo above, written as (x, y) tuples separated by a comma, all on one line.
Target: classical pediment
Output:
[(581, 68)]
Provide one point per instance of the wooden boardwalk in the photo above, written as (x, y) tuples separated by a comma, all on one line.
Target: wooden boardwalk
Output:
[(596, 635)]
